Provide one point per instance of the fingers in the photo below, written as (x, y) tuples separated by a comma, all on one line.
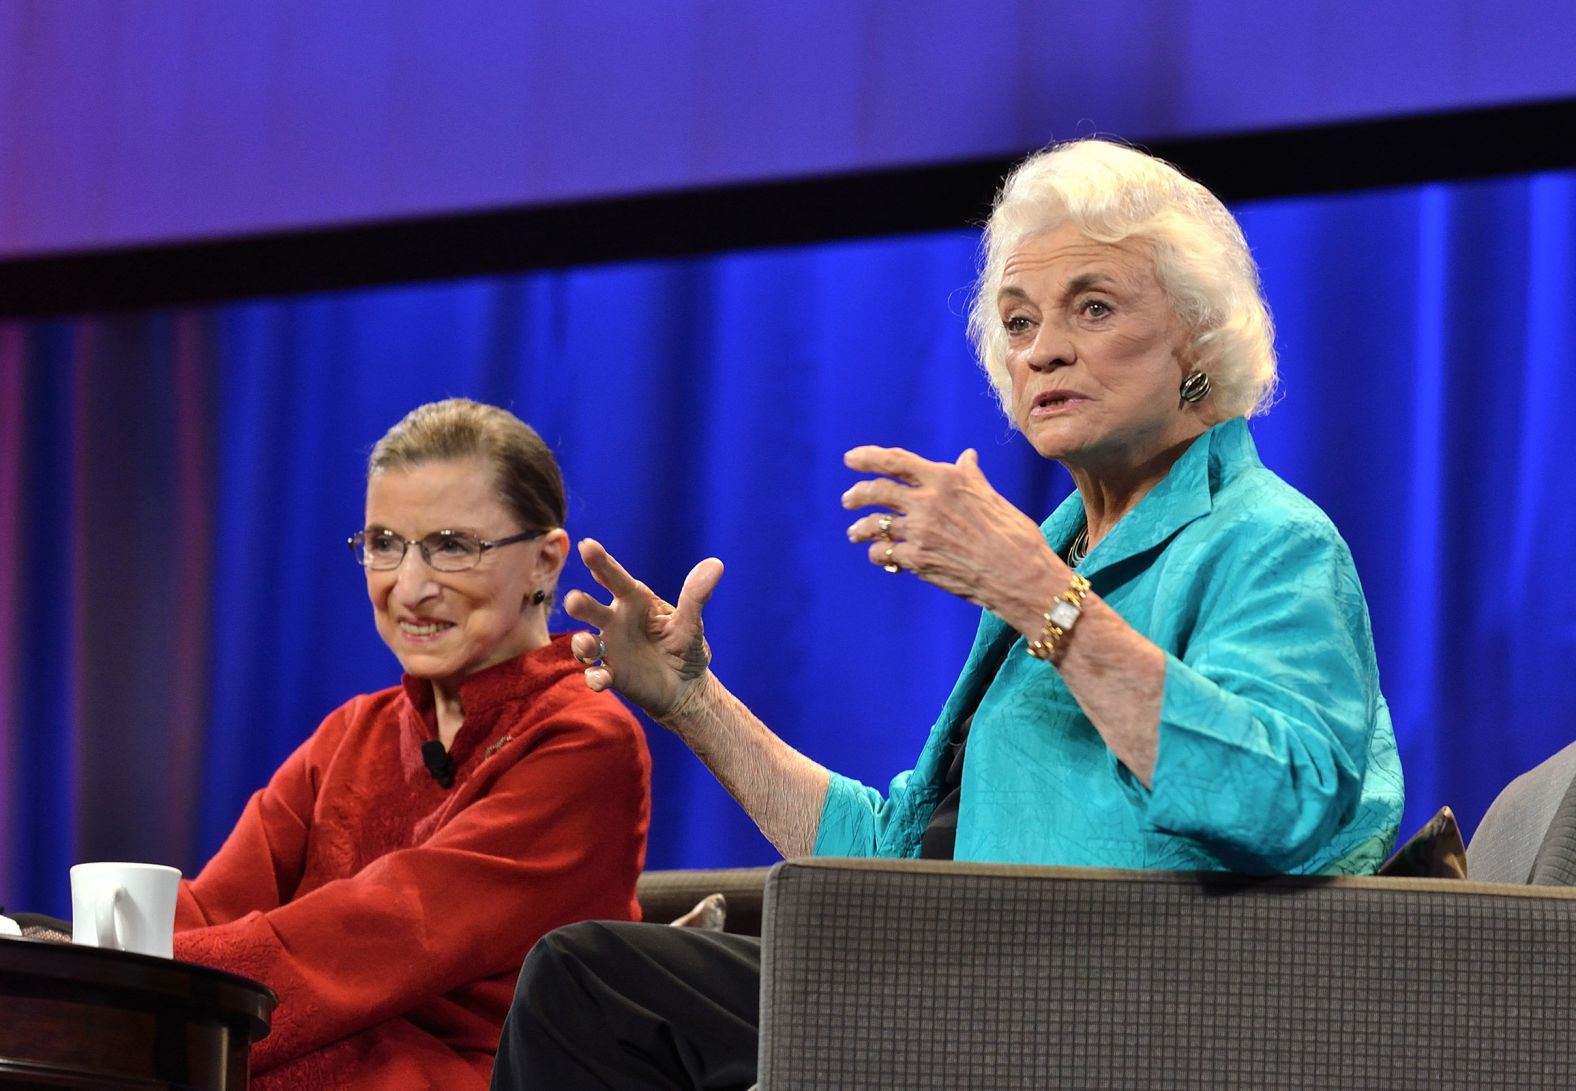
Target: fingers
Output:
[(908, 468), (878, 492), (885, 526), (582, 607), (697, 590), (598, 679), (892, 461), (587, 647), (888, 555), (969, 463), (605, 570)]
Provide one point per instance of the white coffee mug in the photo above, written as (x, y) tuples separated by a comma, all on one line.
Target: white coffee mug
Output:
[(129, 907)]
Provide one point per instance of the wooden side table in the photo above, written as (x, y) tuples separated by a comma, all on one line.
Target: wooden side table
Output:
[(84, 1017)]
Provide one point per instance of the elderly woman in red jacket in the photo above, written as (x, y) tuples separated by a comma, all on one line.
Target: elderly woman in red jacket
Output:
[(395, 870)]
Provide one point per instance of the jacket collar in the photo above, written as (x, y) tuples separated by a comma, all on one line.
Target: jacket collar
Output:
[(1186, 493), (485, 696)]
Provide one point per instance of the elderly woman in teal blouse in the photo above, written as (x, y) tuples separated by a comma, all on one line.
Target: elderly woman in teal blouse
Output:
[(1174, 671)]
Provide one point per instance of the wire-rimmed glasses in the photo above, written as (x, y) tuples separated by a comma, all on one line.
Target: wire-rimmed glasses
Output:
[(380, 549)]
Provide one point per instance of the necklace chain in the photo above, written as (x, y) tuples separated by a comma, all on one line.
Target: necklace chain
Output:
[(1080, 547)]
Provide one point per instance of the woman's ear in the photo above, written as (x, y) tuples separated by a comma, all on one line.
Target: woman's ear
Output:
[(551, 550)]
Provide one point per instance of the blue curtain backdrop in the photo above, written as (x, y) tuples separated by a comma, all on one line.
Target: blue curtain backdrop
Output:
[(178, 611)]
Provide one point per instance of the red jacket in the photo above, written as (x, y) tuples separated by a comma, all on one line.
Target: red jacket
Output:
[(390, 914)]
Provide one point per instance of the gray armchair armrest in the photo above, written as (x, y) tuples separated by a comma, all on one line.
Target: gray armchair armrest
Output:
[(883, 974), (665, 895)]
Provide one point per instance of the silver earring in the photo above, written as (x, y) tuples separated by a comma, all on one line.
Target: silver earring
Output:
[(1195, 387)]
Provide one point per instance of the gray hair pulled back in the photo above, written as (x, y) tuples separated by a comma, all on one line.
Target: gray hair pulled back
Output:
[(526, 474)]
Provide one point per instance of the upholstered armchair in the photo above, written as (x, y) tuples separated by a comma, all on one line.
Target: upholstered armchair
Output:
[(913, 975), (932, 975)]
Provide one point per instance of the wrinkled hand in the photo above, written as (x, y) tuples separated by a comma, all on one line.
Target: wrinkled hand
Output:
[(945, 524), (652, 652)]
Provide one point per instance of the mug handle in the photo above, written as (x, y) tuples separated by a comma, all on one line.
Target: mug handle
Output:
[(104, 918)]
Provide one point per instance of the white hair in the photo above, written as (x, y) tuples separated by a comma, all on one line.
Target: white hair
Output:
[(1112, 193)]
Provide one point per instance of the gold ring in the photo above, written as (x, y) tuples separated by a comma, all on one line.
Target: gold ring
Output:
[(889, 564), (884, 526)]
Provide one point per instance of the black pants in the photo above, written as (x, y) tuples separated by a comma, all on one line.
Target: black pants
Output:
[(607, 1004)]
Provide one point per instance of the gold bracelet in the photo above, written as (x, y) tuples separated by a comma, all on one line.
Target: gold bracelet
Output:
[(1059, 620)]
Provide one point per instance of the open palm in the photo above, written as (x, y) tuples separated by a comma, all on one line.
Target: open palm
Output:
[(652, 652)]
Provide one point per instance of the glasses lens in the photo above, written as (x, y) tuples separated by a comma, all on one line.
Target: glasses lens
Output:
[(450, 552), (381, 549)]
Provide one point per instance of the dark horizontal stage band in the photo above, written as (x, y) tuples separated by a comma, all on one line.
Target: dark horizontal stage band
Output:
[(1396, 151)]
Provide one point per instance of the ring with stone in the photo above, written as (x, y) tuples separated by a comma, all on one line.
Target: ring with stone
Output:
[(884, 526), (889, 564)]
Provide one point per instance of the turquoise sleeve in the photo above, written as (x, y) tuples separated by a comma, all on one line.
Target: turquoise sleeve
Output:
[(1268, 712), (856, 821)]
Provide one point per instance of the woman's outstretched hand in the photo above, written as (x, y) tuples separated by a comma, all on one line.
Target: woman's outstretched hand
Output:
[(652, 652), (947, 525)]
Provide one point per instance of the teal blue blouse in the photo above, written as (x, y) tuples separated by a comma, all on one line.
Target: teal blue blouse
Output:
[(1276, 753)]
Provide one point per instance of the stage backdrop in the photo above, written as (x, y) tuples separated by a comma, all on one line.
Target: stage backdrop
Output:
[(178, 609), (125, 123)]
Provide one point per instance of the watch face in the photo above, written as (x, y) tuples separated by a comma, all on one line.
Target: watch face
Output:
[(1063, 614)]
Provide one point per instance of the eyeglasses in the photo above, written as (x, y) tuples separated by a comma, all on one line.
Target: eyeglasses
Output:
[(445, 550)]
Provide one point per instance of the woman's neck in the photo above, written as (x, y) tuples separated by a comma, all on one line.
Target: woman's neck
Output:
[(1110, 492), (451, 714), (446, 691)]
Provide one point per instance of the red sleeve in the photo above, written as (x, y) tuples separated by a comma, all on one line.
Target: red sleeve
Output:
[(260, 864), (557, 836)]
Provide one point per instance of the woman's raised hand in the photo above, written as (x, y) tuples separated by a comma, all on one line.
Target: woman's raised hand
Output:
[(947, 525), (652, 652)]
